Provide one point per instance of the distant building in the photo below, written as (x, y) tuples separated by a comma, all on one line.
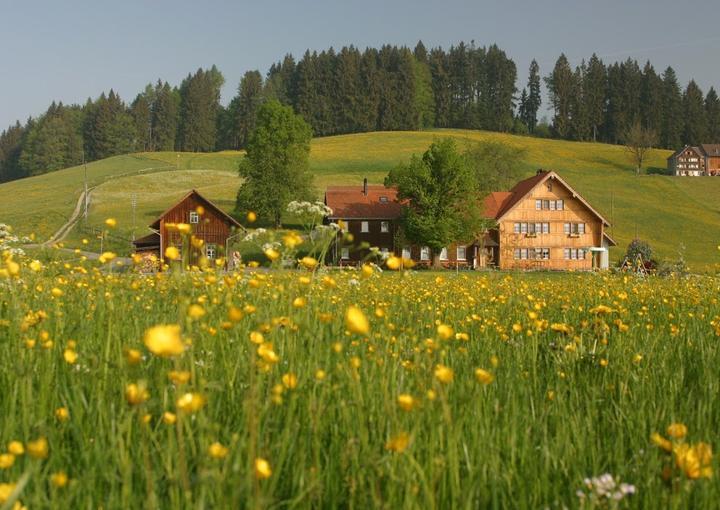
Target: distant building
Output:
[(542, 223), (695, 161), (209, 225)]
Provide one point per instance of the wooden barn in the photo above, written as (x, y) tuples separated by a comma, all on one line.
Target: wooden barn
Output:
[(210, 229)]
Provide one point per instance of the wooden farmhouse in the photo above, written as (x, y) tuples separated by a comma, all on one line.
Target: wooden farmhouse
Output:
[(210, 229), (695, 161), (542, 223)]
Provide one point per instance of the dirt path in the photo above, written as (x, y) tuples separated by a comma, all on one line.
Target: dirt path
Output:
[(64, 230)]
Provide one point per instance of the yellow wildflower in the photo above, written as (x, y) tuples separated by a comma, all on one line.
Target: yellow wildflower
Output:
[(59, 479), (62, 413), (262, 469), (164, 340), (355, 321), (444, 374), (16, 448), (217, 450), (406, 402), (38, 449), (677, 430), (136, 393), (172, 253), (398, 443), (289, 380), (111, 222), (190, 403), (7, 460), (483, 376)]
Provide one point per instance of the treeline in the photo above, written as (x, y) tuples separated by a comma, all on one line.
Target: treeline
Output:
[(349, 91), (601, 102)]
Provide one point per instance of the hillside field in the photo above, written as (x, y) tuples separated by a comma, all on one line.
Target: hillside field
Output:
[(671, 213)]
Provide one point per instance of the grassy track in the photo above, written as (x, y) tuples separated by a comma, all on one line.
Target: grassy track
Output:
[(573, 390), (671, 213)]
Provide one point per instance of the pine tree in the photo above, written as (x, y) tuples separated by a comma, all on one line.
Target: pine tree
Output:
[(424, 100), (199, 102), (580, 128), (243, 109), (141, 111), (441, 87), (594, 92), (712, 114), (651, 99), (500, 75), (165, 113), (534, 99), (560, 89), (109, 128), (671, 132), (53, 142), (11, 141), (696, 126)]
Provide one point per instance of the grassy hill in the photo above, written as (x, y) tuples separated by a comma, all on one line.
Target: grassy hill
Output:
[(667, 211)]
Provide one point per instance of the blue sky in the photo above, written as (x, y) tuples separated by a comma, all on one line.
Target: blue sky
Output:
[(71, 50)]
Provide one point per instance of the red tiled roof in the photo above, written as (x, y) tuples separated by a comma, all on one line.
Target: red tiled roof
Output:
[(495, 202), (349, 202)]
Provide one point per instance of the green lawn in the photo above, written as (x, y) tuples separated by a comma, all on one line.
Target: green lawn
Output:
[(669, 212)]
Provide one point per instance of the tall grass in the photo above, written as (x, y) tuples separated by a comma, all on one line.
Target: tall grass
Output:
[(577, 390)]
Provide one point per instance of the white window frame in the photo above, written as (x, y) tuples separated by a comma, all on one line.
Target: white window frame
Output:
[(211, 251), (424, 253), (406, 252), (443, 254), (194, 217), (364, 227), (384, 227), (345, 253), (461, 249)]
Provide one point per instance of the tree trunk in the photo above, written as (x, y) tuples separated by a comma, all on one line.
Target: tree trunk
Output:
[(436, 261)]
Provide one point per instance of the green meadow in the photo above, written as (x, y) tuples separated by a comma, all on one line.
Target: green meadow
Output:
[(678, 216)]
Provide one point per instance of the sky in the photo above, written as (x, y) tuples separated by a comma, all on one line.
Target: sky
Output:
[(71, 50)]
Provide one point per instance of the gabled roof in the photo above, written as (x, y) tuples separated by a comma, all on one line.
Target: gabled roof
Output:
[(148, 241), (208, 203), (523, 188), (495, 202), (350, 202), (711, 150), (696, 150)]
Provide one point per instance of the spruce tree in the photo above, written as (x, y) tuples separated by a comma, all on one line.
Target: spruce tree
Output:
[(671, 131), (534, 99), (165, 113), (54, 141), (594, 92), (199, 102), (712, 114), (11, 141), (109, 128), (651, 99), (696, 126), (141, 111), (560, 89)]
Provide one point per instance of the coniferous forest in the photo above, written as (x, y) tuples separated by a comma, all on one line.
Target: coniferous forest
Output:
[(390, 88)]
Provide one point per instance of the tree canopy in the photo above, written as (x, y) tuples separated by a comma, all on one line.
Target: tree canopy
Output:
[(275, 168), (439, 187)]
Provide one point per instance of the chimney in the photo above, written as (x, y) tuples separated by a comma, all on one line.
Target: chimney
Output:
[(365, 186)]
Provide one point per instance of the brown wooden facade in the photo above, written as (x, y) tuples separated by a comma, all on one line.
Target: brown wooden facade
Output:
[(542, 223), (210, 228), (695, 161)]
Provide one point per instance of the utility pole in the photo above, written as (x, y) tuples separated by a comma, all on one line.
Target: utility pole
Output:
[(85, 193), (133, 203)]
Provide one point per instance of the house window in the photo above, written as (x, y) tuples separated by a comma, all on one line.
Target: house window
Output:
[(574, 254), (384, 253), (574, 228), (194, 217), (383, 200), (424, 253), (461, 253), (545, 228), (406, 254), (516, 253), (516, 228), (546, 204), (345, 253), (443, 254), (364, 227), (523, 228), (559, 205), (538, 205), (211, 251), (384, 226)]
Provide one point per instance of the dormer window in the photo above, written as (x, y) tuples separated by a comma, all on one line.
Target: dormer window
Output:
[(383, 200)]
